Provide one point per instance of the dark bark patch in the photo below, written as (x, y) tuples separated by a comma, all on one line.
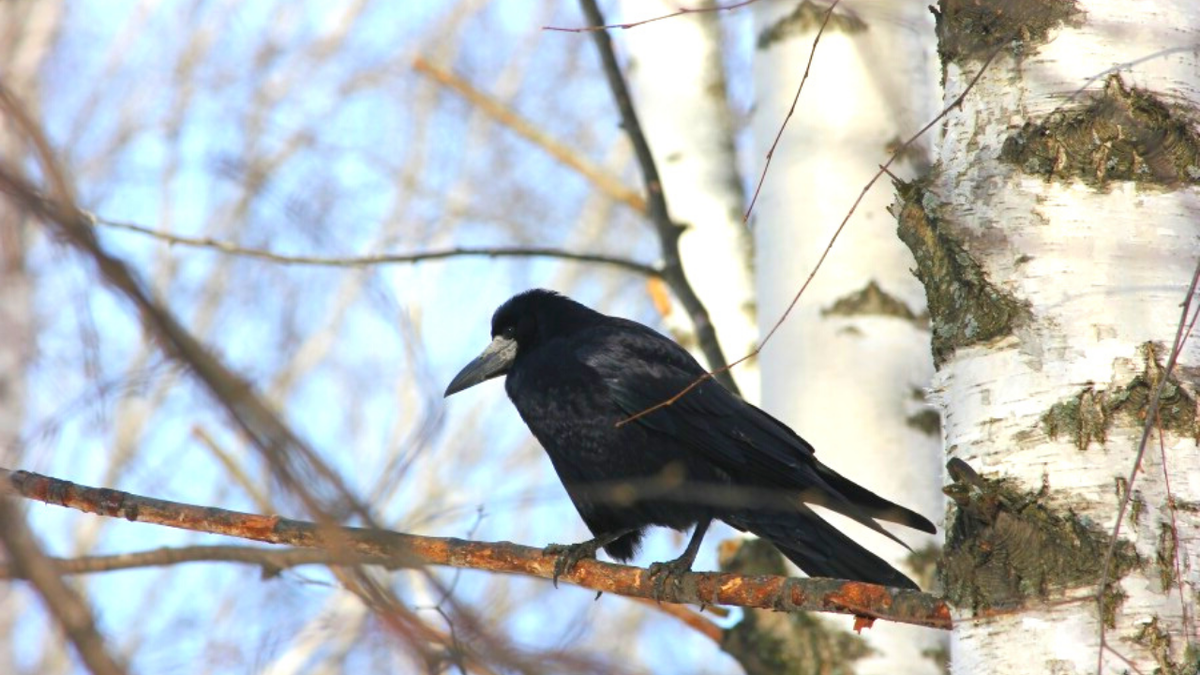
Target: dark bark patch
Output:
[(1184, 505), (965, 308), (923, 563), (1006, 546), (783, 642), (1119, 134), (1137, 502), (940, 657), (928, 422), (1164, 555), (1082, 416), (1176, 407), (971, 30), (872, 300), (807, 18), (1087, 416), (1157, 640)]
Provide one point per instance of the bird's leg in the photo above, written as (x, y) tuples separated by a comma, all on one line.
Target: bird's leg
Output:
[(662, 571), (570, 554)]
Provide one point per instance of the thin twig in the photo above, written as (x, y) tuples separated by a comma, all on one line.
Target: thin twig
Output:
[(272, 560), (275, 560), (383, 258), (1130, 664), (656, 203), (634, 24), (569, 157), (294, 463), (1151, 415), (884, 168), (690, 618), (795, 99), (64, 602), (1179, 579)]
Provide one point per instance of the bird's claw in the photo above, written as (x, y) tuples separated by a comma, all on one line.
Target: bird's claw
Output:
[(569, 555), (662, 572)]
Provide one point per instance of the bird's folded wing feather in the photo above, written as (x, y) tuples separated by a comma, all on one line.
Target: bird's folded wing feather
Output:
[(642, 369)]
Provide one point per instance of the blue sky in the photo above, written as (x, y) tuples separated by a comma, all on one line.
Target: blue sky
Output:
[(226, 120)]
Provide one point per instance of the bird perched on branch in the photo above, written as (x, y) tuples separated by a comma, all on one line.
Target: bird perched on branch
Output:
[(589, 386)]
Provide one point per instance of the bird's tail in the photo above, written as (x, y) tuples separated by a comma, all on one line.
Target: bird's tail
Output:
[(857, 502), (819, 548)]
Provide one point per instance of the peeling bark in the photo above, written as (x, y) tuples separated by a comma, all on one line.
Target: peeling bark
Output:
[(1056, 241)]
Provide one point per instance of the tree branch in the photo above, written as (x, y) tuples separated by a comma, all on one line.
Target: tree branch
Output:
[(395, 549), (26, 558), (274, 560), (762, 177), (383, 258), (608, 184), (656, 204), (293, 461), (634, 24)]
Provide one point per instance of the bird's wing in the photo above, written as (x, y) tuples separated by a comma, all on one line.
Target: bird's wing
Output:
[(642, 369)]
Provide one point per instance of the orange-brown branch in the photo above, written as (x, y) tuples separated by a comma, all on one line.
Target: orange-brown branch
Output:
[(396, 549)]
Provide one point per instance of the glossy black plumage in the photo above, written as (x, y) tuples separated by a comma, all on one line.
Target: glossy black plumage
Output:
[(574, 374)]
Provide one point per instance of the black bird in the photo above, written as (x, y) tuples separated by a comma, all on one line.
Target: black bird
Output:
[(577, 377)]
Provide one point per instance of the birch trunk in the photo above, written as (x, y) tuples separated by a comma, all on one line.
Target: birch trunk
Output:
[(1056, 243), (678, 78), (849, 367)]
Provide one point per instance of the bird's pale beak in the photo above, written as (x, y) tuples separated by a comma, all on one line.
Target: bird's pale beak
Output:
[(493, 362)]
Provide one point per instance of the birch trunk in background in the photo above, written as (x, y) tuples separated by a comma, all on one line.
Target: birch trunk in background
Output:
[(1056, 242), (677, 73), (849, 368)]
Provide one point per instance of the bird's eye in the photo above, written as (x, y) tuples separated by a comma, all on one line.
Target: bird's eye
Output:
[(509, 332)]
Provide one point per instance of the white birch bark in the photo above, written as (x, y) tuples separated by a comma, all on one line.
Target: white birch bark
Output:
[(678, 79), (848, 368), (1101, 266)]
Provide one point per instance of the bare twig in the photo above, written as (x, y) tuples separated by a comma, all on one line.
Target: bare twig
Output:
[(634, 24), (405, 550), (25, 557), (605, 181), (236, 472), (690, 618), (1179, 578), (272, 560), (383, 258), (656, 203), (883, 169), (1181, 334), (787, 118), (1128, 664), (294, 463)]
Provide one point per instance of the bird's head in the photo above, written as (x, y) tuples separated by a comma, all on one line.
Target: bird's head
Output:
[(522, 324)]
